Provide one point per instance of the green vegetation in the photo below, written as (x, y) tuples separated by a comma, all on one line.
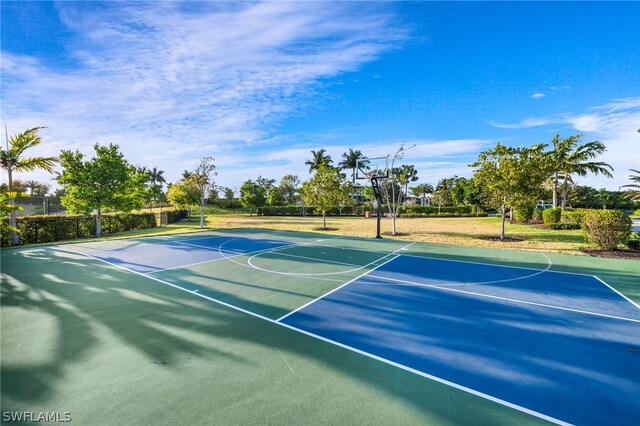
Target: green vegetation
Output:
[(551, 216), (13, 160), (106, 182), (510, 177), (607, 229), (252, 195), (327, 189)]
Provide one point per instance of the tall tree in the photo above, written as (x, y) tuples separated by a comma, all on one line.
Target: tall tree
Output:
[(201, 182), (156, 185), (252, 195), (510, 176), (326, 190), (422, 190), (13, 160), (391, 190), (318, 159), (568, 157), (442, 195), (407, 173), (289, 186), (350, 161), (107, 181)]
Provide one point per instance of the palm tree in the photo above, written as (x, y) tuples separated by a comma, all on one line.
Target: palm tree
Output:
[(32, 185), (570, 157), (319, 158), (422, 190), (633, 194), (408, 173), (156, 181), (350, 161), (12, 160)]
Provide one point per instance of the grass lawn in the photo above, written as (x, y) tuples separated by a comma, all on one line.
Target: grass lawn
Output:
[(453, 231)]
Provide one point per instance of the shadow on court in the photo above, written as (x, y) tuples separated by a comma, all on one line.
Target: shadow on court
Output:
[(77, 335)]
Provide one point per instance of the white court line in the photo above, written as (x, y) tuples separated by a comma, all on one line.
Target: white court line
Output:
[(459, 261), (349, 348), (216, 249), (616, 291), (348, 282), (302, 274), (508, 299), (541, 271), (317, 259)]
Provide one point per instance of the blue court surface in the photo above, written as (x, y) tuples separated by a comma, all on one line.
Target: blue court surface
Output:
[(145, 258), (562, 346)]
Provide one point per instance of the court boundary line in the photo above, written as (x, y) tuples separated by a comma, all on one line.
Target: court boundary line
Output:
[(507, 299), (347, 347), (299, 308), (548, 269), (279, 253), (235, 254)]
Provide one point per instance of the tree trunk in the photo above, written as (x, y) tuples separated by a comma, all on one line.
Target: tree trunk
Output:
[(15, 240), (555, 190), (564, 193), (504, 218), (393, 224), (98, 223), (324, 221), (201, 216)]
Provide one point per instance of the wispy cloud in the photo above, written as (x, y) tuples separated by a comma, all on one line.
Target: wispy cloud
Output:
[(171, 82), (615, 123), (538, 95)]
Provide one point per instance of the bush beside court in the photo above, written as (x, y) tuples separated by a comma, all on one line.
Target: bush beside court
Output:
[(607, 229)]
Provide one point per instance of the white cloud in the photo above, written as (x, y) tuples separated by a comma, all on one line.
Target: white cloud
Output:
[(537, 95), (171, 82), (615, 124), (524, 124)]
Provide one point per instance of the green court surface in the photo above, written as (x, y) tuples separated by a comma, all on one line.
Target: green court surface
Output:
[(185, 330)]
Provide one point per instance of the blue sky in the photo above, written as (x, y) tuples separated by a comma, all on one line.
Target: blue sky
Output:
[(259, 85)]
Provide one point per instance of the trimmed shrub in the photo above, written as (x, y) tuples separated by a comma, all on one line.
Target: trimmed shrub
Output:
[(636, 213), (537, 216), (634, 241), (524, 213), (573, 216), (550, 216), (607, 229)]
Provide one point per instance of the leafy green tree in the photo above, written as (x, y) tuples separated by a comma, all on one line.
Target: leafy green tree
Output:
[(318, 159), (421, 191), (265, 183), (326, 190), (180, 196), (510, 176), (570, 157), (107, 181), (350, 161), (465, 191), (12, 159), (275, 197), (252, 195), (289, 187)]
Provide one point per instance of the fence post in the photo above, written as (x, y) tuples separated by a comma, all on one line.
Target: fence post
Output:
[(77, 228), (36, 231)]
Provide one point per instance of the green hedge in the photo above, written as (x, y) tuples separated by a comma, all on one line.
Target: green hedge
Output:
[(573, 216), (634, 241), (524, 213), (44, 229), (311, 211), (607, 229), (550, 216)]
